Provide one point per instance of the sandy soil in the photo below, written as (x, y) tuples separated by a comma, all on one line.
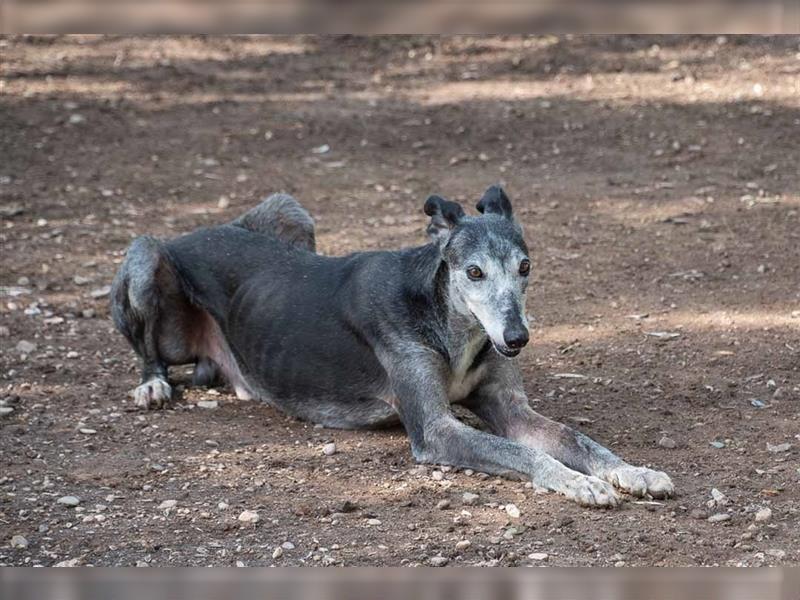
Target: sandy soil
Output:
[(658, 183)]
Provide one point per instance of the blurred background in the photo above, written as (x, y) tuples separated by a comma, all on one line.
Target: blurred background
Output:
[(657, 181)]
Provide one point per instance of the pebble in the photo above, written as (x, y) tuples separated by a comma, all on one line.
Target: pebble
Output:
[(329, 449), (6, 410), (373, 522), (470, 499), (437, 475), (278, 552), (287, 546), (168, 504), (763, 514), (463, 545), (699, 514), (719, 518), (248, 516), (717, 444), (776, 553), (719, 498), (668, 443), (87, 431), (785, 447), (26, 347), (223, 506), (438, 561), (100, 292), (208, 404), (512, 511), (443, 504), (540, 556), (18, 541), (69, 500)]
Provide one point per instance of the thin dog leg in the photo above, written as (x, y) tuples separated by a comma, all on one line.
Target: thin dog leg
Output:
[(438, 437), (507, 413)]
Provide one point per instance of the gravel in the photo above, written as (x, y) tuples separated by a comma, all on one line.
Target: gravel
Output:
[(763, 514), (329, 449), (512, 511), (249, 516), (69, 500), (539, 556), (438, 561), (719, 518), (470, 499), (18, 541), (168, 504)]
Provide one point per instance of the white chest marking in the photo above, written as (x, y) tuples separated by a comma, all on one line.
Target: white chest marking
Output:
[(463, 381)]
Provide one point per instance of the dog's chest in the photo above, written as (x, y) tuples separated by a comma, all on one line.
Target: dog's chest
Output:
[(465, 375)]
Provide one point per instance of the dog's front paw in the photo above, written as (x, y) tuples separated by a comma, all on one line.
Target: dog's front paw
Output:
[(153, 393), (641, 481), (587, 490)]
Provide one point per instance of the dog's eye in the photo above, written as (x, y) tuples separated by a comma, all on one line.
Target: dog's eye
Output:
[(474, 273), (525, 267)]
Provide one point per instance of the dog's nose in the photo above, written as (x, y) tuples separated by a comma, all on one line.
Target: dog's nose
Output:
[(516, 338)]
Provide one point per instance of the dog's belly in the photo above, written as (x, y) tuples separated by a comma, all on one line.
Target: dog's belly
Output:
[(306, 360)]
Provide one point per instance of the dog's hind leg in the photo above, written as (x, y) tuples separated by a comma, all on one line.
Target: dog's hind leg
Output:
[(149, 310), (282, 216)]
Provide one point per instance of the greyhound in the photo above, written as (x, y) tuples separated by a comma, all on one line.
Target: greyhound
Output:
[(366, 340)]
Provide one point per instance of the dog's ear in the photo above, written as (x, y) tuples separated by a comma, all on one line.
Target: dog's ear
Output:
[(496, 201), (444, 216)]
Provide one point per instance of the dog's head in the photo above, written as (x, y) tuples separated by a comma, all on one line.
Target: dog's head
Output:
[(488, 265)]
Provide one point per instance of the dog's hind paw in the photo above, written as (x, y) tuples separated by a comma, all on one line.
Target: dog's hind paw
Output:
[(153, 393), (591, 491), (641, 481)]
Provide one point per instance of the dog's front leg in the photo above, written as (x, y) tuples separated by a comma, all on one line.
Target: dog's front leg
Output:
[(507, 413), (438, 437)]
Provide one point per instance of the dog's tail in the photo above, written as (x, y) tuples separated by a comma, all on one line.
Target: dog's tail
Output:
[(282, 216)]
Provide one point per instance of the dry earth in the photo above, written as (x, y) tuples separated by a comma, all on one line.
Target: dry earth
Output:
[(658, 183)]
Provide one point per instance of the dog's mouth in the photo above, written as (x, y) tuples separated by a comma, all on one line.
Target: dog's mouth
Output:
[(507, 352)]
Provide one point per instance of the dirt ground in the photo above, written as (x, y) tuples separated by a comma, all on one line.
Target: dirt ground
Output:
[(657, 180)]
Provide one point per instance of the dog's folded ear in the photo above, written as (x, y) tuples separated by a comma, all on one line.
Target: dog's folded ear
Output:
[(444, 216), (495, 201)]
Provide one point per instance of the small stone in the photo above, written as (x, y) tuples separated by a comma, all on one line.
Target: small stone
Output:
[(373, 522), (287, 546), (6, 410), (717, 444), (248, 516), (785, 447), (87, 431), (763, 514), (69, 500), (100, 292), (223, 506), (80, 280), (668, 443), (512, 511), (777, 553), (4, 331), (88, 313), (70, 563), (26, 347), (719, 518), (277, 553), (438, 561), (18, 541), (443, 504), (208, 404), (720, 499), (462, 545), (76, 119), (699, 514), (168, 504), (619, 563), (437, 475), (329, 449), (539, 556), (470, 499)]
